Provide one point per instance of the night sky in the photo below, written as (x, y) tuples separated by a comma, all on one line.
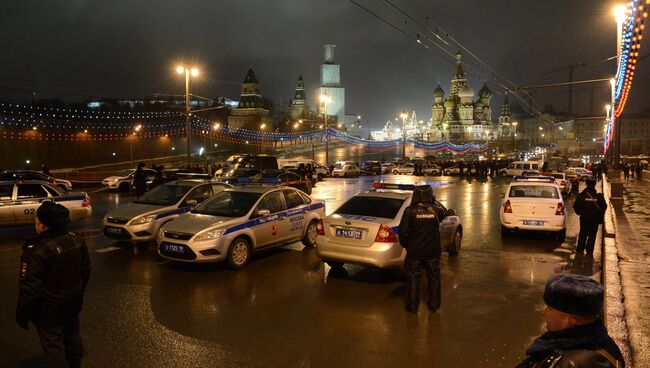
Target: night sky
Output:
[(79, 49)]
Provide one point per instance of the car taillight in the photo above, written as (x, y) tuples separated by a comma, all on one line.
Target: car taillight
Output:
[(385, 235), (507, 208), (560, 209), (320, 229), (86, 202)]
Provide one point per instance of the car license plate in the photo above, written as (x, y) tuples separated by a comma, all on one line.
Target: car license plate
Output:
[(114, 230), (343, 233), (174, 248), (533, 223)]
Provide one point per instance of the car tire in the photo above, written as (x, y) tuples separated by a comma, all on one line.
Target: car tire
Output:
[(560, 235), (447, 173), (456, 243), (123, 187), (334, 264), (239, 253), (308, 191), (321, 177), (395, 172), (504, 174), (309, 240)]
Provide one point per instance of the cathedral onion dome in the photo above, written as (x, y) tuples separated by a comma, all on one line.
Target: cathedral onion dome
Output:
[(438, 92), (484, 92), (479, 103), (466, 91)]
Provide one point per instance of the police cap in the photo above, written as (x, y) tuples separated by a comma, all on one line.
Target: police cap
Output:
[(574, 294), (53, 215)]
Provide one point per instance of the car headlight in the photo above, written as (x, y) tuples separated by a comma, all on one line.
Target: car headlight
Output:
[(209, 235), (143, 219)]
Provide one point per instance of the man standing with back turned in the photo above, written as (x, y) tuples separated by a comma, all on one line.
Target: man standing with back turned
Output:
[(55, 268), (419, 233), (590, 206)]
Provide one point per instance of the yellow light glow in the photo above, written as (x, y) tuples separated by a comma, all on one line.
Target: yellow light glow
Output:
[(180, 69), (262, 126), (325, 98), (216, 126), (295, 126), (619, 13), (195, 72)]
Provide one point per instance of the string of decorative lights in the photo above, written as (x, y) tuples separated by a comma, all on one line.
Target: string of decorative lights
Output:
[(633, 26)]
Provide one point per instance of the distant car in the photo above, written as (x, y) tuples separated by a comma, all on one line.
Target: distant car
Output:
[(238, 222), (140, 220), (432, 170), (19, 200), (35, 175), (406, 169), (581, 173), (346, 171), (288, 178), (387, 167), (372, 167), (364, 229), (454, 170), (124, 180), (518, 168), (320, 171), (561, 180), (534, 204)]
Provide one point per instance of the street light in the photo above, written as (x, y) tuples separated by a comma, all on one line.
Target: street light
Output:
[(403, 115), (325, 99), (514, 124), (188, 116)]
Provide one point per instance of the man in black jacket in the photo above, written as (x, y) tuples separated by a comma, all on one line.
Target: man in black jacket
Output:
[(576, 335), (419, 233), (55, 268), (590, 206)]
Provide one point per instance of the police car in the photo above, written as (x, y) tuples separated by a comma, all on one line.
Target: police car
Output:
[(240, 221), (20, 199), (535, 204), (140, 220), (364, 229)]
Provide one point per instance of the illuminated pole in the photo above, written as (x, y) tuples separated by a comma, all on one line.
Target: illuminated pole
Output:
[(619, 15), (514, 124), (325, 99), (188, 115), (403, 115)]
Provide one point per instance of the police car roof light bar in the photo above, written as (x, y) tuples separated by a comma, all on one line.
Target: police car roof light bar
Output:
[(394, 186), (548, 179)]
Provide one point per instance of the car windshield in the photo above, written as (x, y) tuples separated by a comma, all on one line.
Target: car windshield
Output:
[(228, 204), (371, 207), (533, 191), (125, 172), (338, 166), (164, 195)]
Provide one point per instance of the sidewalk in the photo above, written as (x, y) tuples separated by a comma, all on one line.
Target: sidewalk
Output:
[(627, 271)]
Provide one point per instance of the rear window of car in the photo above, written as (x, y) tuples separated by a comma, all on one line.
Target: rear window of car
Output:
[(371, 207), (533, 191)]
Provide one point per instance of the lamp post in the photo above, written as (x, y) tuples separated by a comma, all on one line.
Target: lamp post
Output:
[(188, 116), (514, 124), (619, 16), (325, 99), (403, 115), (133, 136)]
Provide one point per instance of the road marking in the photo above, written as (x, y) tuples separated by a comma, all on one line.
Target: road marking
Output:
[(108, 249)]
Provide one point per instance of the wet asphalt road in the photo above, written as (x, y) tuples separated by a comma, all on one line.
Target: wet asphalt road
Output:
[(288, 309)]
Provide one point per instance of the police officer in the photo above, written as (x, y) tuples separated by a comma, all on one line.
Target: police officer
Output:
[(419, 233), (576, 336), (55, 268), (140, 180), (590, 206)]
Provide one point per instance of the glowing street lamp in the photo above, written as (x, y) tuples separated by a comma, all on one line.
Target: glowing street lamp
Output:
[(326, 99), (194, 73)]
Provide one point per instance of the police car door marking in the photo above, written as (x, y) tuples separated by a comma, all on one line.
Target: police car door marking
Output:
[(284, 214), (173, 212)]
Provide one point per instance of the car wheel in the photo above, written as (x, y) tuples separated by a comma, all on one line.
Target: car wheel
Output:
[(395, 172), (334, 264), (321, 177), (345, 175), (310, 235), (308, 189), (456, 242), (448, 173), (124, 187), (560, 235), (239, 253)]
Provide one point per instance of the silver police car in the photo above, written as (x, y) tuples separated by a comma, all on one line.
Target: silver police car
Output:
[(20, 199), (364, 229), (140, 220), (237, 222)]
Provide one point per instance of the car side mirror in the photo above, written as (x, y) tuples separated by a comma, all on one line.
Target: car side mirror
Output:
[(191, 202), (263, 213), (451, 212)]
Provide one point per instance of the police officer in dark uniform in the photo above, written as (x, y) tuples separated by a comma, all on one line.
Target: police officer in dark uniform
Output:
[(576, 336), (419, 233), (140, 180), (590, 206), (55, 268)]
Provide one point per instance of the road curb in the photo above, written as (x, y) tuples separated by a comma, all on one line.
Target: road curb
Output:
[(614, 314)]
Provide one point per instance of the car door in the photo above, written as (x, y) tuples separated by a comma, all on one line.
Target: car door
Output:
[(446, 226), (28, 198), (6, 204), (273, 228), (295, 213)]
